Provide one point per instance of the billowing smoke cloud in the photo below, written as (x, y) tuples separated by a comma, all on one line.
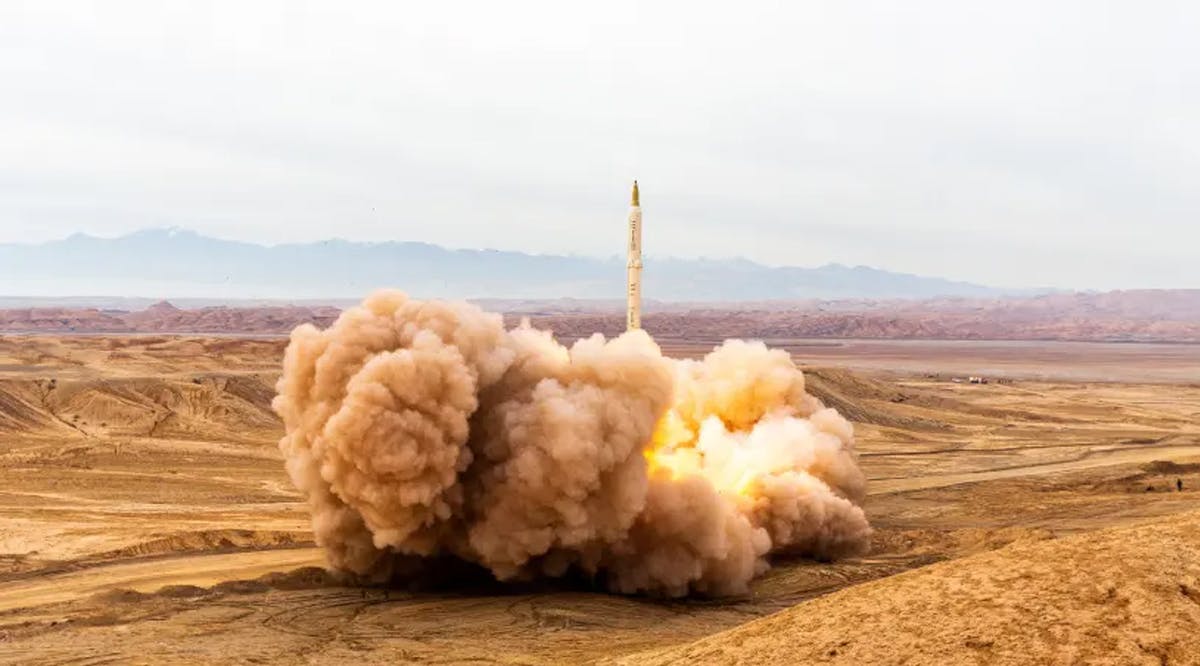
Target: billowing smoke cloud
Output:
[(425, 428)]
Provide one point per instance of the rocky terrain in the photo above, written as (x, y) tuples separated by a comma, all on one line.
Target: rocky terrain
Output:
[(165, 317), (146, 518), (1125, 316), (1121, 316)]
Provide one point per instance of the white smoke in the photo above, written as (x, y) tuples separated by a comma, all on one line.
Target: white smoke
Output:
[(424, 428)]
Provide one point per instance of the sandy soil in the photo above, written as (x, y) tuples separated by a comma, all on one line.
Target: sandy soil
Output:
[(1128, 595), (145, 518)]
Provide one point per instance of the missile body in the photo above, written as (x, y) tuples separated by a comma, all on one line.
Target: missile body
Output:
[(633, 265)]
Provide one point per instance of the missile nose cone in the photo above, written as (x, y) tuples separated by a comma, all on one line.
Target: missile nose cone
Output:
[(634, 200)]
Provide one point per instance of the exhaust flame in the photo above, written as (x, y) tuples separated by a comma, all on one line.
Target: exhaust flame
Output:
[(425, 428)]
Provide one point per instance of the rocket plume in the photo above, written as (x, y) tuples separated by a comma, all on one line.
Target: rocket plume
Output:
[(424, 428)]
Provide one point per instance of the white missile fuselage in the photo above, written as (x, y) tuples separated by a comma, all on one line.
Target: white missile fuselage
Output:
[(633, 265)]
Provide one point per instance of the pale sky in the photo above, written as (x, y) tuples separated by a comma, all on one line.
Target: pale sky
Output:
[(1006, 143)]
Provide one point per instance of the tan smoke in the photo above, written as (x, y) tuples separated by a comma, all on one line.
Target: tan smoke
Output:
[(425, 428)]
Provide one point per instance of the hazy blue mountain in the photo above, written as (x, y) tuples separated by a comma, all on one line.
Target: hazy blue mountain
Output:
[(180, 263)]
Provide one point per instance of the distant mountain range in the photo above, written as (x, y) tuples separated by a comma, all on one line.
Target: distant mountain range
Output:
[(178, 263)]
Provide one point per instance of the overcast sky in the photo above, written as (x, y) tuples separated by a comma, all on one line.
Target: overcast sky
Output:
[(1008, 143)]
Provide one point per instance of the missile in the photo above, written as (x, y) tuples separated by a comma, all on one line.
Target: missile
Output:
[(633, 265)]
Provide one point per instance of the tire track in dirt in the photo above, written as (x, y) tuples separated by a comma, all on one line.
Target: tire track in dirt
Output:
[(149, 576), (1088, 460)]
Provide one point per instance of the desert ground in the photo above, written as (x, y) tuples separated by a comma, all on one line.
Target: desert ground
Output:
[(145, 517)]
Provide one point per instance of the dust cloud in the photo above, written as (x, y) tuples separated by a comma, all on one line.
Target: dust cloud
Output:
[(421, 429)]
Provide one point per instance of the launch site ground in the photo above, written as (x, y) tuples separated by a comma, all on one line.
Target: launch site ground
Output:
[(145, 517)]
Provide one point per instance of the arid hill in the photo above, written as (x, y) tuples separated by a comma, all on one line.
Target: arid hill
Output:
[(1128, 595), (1142, 316), (1127, 316), (146, 517), (166, 318)]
